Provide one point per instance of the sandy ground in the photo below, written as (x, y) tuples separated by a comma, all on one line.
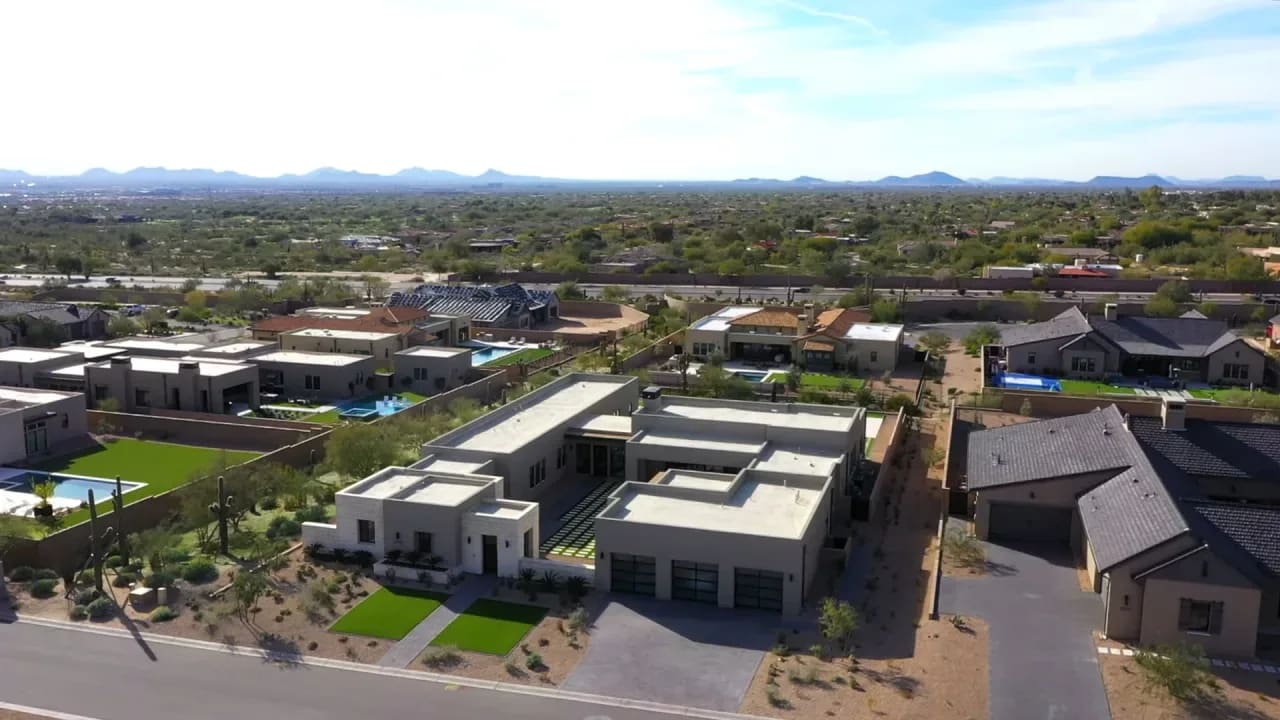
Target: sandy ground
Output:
[(1243, 696), (590, 324), (549, 638), (281, 625), (14, 715), (963, 372), (908, 666)]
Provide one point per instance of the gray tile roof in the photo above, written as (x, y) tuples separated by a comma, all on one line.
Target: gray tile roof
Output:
[(1129, 514), (1054, 448), (57, 312), (1255, 529), (1214, 449), (1164, 337), (485, 303), (1067, 324)]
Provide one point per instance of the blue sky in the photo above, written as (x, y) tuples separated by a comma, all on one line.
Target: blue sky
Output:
[(660, 89)]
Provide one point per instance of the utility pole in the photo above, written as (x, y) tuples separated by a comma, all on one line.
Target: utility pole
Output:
[(95, 557), (118, 500)]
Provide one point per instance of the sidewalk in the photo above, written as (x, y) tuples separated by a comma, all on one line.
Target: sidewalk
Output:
[(473, 588), (1216, 662)]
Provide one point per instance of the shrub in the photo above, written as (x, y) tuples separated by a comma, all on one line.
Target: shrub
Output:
[(438, 657), (164, 613), (313, 513), (575, 586), (533, 662), (113, 561), (282, 527), (100, 609), (123, 579), (46, 574), (78, 612), (774, 694), (22, 573), (44, 588), (158, 579), (363, 558), (1178, 670), (512, 667), (578, 620), (86, 596), (806, 676), (200, 571), (269, 503)]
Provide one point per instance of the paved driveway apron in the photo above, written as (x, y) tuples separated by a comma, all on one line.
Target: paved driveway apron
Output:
[(674, 652), (1044, 661)]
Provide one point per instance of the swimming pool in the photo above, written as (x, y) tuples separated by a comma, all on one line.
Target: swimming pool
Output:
[(751, 376), (373, 407), (69, 487), (489, 354)]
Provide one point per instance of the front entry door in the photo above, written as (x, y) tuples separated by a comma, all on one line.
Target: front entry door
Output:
[(490, 545)]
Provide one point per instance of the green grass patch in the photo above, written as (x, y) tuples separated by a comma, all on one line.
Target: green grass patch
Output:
[(389, 613), (162, 466), (519, 356), (490, 626), (1092, 387), (820, 381)]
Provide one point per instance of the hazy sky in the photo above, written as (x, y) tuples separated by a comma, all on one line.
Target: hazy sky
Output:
[(646, 89)]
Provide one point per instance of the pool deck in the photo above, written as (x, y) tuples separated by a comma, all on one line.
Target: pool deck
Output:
[(23, 502)]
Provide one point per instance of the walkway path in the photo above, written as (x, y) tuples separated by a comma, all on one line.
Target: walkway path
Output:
[(473, 588), (1216, 662)]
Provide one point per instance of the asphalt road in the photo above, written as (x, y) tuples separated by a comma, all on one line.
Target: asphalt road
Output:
[(111, 677)]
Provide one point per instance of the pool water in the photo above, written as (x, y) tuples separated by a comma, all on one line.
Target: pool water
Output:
[(489, 354), (389, 405), (752, 376), (68, 486)]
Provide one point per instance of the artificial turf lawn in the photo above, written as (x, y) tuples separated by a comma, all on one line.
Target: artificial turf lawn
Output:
[(519, 356), (819, 381), (389, 613), (1092, 387), (490, 626), (162, 466)]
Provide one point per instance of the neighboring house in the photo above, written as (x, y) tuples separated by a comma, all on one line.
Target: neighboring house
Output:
[(415, 326), (78, 323), (316, 375), (834, 339), (1273, 330), (724, 502), (378, 345), (1154, 507), (191, 384), (431, 370), (498, 306), (38, 423), (1187, 349)]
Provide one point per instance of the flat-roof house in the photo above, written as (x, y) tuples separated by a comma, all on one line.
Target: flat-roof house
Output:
[(414, 325), (838, 338), (35, 423), (429, 370), (1176, 531), (499, 306), (316, 375), (716, 501), (24, 366), (185, 383), (379, 345), (1187, 349)]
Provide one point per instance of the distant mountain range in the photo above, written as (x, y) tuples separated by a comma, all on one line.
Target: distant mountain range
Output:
[(158, 178)]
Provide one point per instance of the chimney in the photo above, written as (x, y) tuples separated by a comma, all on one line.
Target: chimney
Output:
[(1110, 311), (1173, 414), (651, 398), (810, 315)]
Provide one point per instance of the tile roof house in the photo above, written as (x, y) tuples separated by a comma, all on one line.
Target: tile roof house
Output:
[(500, 306), (834, 339), (1176, 521), (1185, 349), (77, 322), (400, 320)]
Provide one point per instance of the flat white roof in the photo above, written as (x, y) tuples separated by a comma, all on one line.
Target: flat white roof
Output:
[(700, 481), (719, 320), (702, 442), (236, 348), (434, 351), (90, 351), (69, 371), (137, 344), (311, 358), (344, 312), (805, 417), (341, 334), (442, 492), (507, 510), (415, 486), (797, 461), (510, 427), (755, 508), (29, 355), (31, 396), (452, 467), (169, 366), (874, 331), (611, 424)]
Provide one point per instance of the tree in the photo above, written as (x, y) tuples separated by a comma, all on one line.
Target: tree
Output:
[(375, 286), (188, 285), (153, 319), (360, 450), (856, 298), (67, 264), (1025, 408), (839, 621), (1179, 291), (153, 546), (1246, 267), (1179, 670), (1151, 198), (197, 300), (569, 290), (42, 332), (247, 589), (1161, 306), (120, 326), (885, 311), (1149, 234), (935, 342), (984, 334), (615, 294)]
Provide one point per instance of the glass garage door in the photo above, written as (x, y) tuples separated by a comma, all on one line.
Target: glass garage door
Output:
[(632, 573), (699, 582), (760, 589)]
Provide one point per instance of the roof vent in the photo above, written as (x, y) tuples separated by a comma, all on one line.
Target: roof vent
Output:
[(995, 459)]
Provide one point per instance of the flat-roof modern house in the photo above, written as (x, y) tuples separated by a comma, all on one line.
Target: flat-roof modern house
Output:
[(35, 423), (316, 375), (429, 370), (191, 384), (379, 345), (498, 306), (834, 339), (1176, 520), (25, 366), (715, 501), (1187, 349), (377, 319)]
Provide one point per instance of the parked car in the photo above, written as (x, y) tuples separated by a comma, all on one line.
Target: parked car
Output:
[(133, 310)]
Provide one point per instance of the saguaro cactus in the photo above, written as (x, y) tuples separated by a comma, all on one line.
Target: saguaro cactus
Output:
[(118, 501), (95, 557), (221, 510)]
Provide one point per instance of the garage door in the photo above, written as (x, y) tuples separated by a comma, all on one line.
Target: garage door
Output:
[(699, 582), (761, 589), (632, 573), (1020, 521)]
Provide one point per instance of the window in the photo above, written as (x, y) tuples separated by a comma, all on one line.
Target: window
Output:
[(1198, 616), (583, 455), (874, 354), (422, 542), (1235, 371), (699, 582), (561, 452), (1084, 364), (537, 473), (703, 349), (364, 531), (1031, 358), (312, 382), (66, 421), (141, 398), (419, 373), (100, 392)]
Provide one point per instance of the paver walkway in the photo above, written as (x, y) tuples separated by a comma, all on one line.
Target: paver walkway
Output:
[(1216, 662), (1044, 662), (473, 588)]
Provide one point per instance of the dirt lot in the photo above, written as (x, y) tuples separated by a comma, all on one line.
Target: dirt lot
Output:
[(625, 317), (551, 639), (1243, 696), (908, 666), (287, 622), (14, 715), (963, 372)]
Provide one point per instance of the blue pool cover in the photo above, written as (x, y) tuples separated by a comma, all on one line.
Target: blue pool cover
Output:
[(1018, 381)]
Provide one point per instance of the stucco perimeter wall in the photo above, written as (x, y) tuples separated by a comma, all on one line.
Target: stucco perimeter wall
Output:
[(205, 433), (1047, 404)]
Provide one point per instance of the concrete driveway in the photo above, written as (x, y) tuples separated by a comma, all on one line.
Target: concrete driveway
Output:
[(674, 652), (1044, 662)]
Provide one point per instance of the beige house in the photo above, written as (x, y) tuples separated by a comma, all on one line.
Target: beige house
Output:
[(321, 376), (429, 370), (1173, 557), (36, 423), (379, 345), (172, 383), (843, 339)]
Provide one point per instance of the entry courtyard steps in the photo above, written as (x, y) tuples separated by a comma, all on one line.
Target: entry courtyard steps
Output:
[(1216, 662), (576, 537), (472, 588)]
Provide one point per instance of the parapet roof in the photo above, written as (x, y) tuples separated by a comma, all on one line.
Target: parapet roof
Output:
[(341, 334), (298, 357), (419, 486), (434, 351), (800, 416)]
